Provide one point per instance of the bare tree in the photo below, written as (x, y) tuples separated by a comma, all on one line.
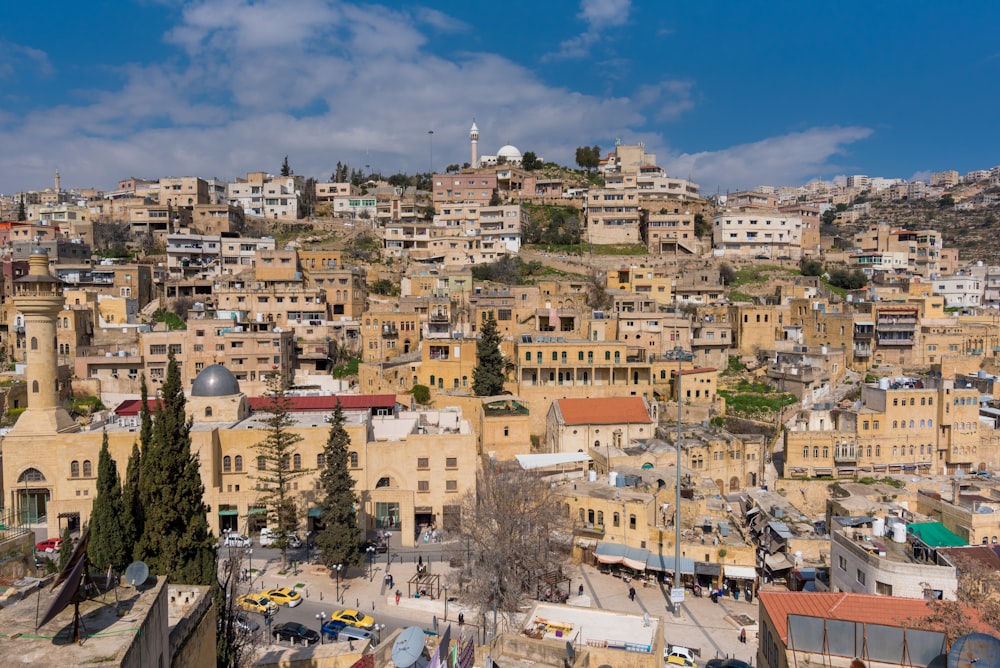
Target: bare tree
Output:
[(513, 527), (597, 294), (977, 604), (236, 642)]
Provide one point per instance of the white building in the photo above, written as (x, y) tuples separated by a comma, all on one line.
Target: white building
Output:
[(961, 290), (264, 195), (757, 233)]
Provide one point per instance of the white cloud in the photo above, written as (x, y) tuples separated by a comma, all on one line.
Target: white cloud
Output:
[(17, 56), (599, 15), (786, 159)]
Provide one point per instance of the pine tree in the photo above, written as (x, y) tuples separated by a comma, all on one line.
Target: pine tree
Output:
[(107, 546), (282, 465), (340, 537), (487, 377), (285, 169), (175, 540)]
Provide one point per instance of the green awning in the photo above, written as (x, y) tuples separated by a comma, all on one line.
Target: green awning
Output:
[(229, 512), (257, 511), (315, 511)]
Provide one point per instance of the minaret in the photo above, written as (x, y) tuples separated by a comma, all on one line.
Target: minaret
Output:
[(474, 138), (58, 183), (38, 296)]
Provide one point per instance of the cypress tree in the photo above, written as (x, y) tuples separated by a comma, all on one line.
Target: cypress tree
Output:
[(65, 549), (282, 465), (107, 546), (131, 505), (487, 376), (175, 539), (340, 537)]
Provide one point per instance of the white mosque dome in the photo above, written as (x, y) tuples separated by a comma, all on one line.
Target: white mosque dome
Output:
[(509, 152)]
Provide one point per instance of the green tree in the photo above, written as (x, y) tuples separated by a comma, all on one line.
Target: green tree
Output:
[(282, 465), (726, 273), (828, 218), (495, 199), (175, 539), (530, 161), (65, 549), (131, 504), (107, 546), (421, 394), (285, 169), (487, 376), (22, 215), (947, 200), (588, 157), (810, 267), (340, 537), (702, 228)]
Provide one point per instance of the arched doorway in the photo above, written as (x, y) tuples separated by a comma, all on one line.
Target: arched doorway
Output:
[(32, 498)]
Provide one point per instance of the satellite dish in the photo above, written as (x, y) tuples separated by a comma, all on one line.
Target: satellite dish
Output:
[(137, 573), (570, 652), (79, 553), (976, 650), (408, 650)]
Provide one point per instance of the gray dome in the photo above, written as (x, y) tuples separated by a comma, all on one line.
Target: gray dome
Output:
[(215, 381)]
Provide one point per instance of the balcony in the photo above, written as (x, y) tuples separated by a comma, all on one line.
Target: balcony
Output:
[(895, 341), (390, 333), (590, 529), (439, 317), (845, 456)]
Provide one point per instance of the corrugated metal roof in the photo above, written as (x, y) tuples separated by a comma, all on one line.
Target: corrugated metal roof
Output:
[(542, 460)]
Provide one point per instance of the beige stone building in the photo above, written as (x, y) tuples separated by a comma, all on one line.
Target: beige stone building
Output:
[(577, 425), (612, 216)]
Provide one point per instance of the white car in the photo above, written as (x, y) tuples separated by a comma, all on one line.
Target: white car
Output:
[(236, 540)]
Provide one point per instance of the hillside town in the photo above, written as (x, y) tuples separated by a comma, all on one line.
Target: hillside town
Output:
[(764, 408)]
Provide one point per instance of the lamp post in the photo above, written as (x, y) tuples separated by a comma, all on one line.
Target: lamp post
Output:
[(371, 562), (446, 588), (336, 569), (379, 628), (430, 134), (680, 355), (321, 616), (388, 550)]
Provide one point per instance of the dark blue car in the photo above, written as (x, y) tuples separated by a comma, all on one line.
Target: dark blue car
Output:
[(332, 628)]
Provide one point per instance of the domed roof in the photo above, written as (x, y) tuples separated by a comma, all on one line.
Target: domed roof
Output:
[(215, 381), (509, 152)]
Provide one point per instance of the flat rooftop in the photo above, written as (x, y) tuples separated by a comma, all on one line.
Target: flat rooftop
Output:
[(587, 626)]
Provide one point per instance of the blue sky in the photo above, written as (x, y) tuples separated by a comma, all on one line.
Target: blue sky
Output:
[(731, 94)]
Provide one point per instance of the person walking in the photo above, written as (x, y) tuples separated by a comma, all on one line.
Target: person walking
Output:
[(631, 593), (581, 590), (399, 595), (461, 619), (743, 635)]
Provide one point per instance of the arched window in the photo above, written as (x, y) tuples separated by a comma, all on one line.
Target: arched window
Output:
[(34, 343), (616, 519), (583, 515), (31, 475), (88, 469), (74, 469), (227, 464), (238, 462), (816, 452), (631, 521), (895, 451), (911, 450), (383, 482), (895, 424), (320, 460), (352, 458), (34, 387), (930, 423), (869, 451), (805, 452), (297, 461), (590, 515), (261, 463), (912, 423), (597, 443), (878, 450), (208, 411), (826, 452)]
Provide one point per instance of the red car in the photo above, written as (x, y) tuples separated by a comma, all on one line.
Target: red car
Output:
[(49, 545)]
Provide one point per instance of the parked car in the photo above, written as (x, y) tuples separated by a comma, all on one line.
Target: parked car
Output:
[(332, 627), (727, 663), (679, 656), (258, 603), (354, 618), (245, 623), (236, 540), (268, 538), (295, 632), (380, 546), (353, 633), (49, 545), (284, 596)]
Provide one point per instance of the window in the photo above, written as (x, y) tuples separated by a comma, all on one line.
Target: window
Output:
[(616, 519), (451, 463), (320, 460), (297, 462), (261, 463), (352, 459), (208, 411), (631, 521), (805, 452), (842, 562), (227, 464), (238, 463), (158, 349), (74, 469), (861, 576), (451, 485), (423, 463), (423, 486), (87, 469)]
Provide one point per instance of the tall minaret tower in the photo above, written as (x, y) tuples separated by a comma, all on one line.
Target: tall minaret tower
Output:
[(474, 138), (38, 296), (58, 182)]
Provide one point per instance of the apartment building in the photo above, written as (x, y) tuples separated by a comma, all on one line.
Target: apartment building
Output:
[(960, 291), (946, 179), (202, 256), (329, 193), (809, 214), (649, 283), (184, 191), (389, 334), (461, 234), (263, 195), (757, 233), (68, 221), (971, 511), (612, 216), (471, 187), (671, 233), (127, 281)]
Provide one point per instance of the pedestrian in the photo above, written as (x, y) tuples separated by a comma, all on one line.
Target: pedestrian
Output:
[(461, 619), (743, 635), (399, 595), (631, 593), (581, 590)]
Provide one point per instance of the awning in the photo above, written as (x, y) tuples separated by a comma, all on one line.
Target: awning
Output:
[(665, 563), (778, 562), (257, 511), (635, 558), (315, 511), (609, 553), (228, 513), (706, 568), (741, 572)]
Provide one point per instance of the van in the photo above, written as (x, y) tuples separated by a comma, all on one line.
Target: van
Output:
[(353, 633), (267, 537)]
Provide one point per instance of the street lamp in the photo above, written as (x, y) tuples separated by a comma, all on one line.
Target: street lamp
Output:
[(371, 562), (680, 355), (446, 588), (379, 628), (337, 570), (321, 616), (388, 550)]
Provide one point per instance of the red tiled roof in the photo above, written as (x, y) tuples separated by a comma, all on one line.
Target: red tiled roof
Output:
[(329, 402), (603, 411), (865, 608), (130, 407)]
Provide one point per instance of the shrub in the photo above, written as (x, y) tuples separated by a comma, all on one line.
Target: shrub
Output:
[(421, 394)]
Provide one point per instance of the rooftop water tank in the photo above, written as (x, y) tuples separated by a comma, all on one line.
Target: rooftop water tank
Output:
[(899, 533), (883, 383), (878, 527), (613, 478), (592, 475)]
